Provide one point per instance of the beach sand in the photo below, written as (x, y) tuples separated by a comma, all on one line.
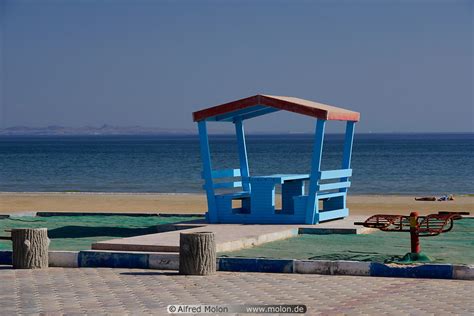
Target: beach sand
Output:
[(16, 203)]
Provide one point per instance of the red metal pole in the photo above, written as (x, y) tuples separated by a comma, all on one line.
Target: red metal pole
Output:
[(415, 240)]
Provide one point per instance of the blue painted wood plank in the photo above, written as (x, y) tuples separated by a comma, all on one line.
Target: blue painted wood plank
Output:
[(242, 148), (347, 154), (322, 196), (207, 169), (334, 174), (311, 207), (271, 219), (289, 190), (233, 195), (280, 178), (328, 215), (225, 173), (334, 203), (300, 203), (224, 185), (333, 186), (262, 199)]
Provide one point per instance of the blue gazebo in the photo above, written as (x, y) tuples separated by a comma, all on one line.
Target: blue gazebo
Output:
[(257, 193)]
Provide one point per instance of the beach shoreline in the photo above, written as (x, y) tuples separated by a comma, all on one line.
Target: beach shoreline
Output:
[(185, 203)]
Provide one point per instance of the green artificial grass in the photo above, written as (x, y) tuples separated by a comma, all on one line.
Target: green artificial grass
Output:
[(456, 246), (412, 257), (79, 232)]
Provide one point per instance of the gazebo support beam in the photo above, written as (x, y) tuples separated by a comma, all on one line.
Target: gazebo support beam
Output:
[(244, 165), (311, 207), (260, 112), (346, 158), (229, 117), (207, 172)]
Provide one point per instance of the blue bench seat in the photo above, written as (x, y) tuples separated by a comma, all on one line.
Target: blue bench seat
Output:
[(234, 195)]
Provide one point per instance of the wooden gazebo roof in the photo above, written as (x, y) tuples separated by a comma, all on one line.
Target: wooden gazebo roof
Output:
[(262, 104)]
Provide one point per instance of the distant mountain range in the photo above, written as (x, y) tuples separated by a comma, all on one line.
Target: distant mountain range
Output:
[(139, 130), (91, 130)]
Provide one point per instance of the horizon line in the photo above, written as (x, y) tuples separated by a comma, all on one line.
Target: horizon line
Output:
[(232, 134)]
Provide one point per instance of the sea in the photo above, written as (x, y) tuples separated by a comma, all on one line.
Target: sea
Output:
[(415, 164)]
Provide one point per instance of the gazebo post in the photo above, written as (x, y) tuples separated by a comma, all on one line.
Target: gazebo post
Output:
[(244, 165), (311, 205), (207, 171), (346, 158)]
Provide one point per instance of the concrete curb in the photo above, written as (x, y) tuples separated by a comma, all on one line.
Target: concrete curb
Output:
[(332, 267), (6, 257), (65, 259), (170, 261), (433, 271), (112, 259), (357, 268), (255, 265), (163, 261), (463, 272)]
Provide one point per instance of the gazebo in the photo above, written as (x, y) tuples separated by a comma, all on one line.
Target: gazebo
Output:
[(256, 194)]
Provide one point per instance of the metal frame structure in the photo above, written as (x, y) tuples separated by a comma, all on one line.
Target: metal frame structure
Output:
[(418, 226), (257, 193)]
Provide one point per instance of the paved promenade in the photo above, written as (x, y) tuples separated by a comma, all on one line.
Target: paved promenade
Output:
[(126, 291)]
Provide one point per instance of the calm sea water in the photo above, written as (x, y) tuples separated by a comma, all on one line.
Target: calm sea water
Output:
[(382, 164)]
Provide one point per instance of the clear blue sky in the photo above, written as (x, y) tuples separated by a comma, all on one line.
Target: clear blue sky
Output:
[(407, 66)]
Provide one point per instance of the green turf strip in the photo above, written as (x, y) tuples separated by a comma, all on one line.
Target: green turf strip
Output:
[(79, 232), (456, 246)]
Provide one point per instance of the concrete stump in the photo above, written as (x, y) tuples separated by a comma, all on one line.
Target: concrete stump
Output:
[(30, 248), (197, 253)]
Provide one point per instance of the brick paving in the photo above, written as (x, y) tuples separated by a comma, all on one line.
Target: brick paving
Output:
[(135, 291)]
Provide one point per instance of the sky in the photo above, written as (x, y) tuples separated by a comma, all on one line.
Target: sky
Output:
[(406, 66)]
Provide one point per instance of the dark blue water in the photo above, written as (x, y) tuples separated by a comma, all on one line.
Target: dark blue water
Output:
[(382, 164)]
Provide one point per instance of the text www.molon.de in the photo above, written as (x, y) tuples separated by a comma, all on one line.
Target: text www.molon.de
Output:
[(252, 309)]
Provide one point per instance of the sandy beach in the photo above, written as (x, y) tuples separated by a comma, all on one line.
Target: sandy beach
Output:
[(16, 203)]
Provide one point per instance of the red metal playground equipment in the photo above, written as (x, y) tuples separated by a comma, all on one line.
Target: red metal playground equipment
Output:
[(418, 226)]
